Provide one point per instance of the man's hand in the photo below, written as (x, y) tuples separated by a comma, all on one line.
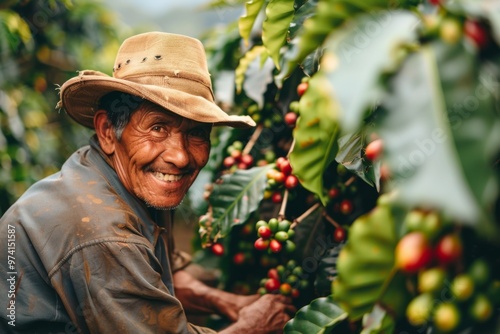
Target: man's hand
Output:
[(197, 297), (268, 314), (232, 304)]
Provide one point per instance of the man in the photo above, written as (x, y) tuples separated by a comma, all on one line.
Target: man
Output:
[(90, 248)]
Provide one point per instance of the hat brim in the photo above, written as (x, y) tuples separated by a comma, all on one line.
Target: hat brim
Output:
[(80, 96)]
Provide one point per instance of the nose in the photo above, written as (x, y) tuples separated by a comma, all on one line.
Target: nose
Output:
[(176, 151)]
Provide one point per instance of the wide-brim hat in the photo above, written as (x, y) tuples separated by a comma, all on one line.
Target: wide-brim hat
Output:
[(169, 70)]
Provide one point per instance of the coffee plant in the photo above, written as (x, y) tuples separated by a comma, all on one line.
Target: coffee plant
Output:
[(368, 190)]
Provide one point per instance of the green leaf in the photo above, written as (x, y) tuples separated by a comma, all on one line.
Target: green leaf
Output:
[(351, 156), (250, 56), (279, 14), (235, 197), (436, 133), (314, 317), (365, 267), (246, 22), (310, 238), (356, 81), (330, 15), (315, 136), (378, 321), (259, 75), (327, 270)]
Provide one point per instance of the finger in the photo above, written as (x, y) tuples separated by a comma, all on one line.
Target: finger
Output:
[(290, 309), (279, 298)]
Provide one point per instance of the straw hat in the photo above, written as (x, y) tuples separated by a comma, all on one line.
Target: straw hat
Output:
[(167, 69)]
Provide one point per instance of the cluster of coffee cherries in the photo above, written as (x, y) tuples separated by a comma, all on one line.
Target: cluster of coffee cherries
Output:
[(284, 279), (450, 293), (279, 178), (274, 236), (236, 159), (340, 194)]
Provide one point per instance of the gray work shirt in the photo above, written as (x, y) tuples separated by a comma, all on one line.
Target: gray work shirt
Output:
[(86, 257)]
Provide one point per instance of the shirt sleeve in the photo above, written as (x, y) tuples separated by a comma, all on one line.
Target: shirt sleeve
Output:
[(180, 260), (117, 287)]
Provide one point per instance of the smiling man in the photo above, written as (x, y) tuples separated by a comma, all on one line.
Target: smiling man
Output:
[(92, 244)]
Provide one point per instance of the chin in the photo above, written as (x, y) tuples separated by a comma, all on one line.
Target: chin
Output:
[(162, 205)]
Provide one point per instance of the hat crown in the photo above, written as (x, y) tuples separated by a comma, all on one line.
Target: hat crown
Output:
[(162, 54)]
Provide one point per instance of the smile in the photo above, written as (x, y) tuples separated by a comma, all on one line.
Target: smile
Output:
[(167, 177)]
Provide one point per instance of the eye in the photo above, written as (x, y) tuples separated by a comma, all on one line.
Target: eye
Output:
[(157, 128)]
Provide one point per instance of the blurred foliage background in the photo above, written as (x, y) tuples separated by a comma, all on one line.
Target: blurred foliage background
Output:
[(42, 44)]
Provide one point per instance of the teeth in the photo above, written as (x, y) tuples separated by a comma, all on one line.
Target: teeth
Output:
[(167, 177)]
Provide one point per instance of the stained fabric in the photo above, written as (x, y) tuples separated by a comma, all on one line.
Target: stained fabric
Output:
[(90, 257)]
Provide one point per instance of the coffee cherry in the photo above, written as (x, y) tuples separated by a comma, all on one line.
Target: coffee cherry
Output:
[(285, 289), (450, 30), (414, 220), (217, 249), (419, 309), (339, 234), (295, 293), (279, 177), (277, 197), (260, 223), (284, 166), (291, 264), (239, 258), (479, 271), (333, 193), (290, 246), (247, 159), (449, 249), (290, 118), (228, 162), (272, 284), (413, 252), (481, 308), (302, 87), (270, 156), (236, 154), (275, 246), (346, 207), (284, 225), (291, 182), (242, 165), (273, 225), (446, 317), (462, 287), (431, 280), (477, 33), (261, 244), (264, 232), (374, 150), (273, 273), (281, 236)]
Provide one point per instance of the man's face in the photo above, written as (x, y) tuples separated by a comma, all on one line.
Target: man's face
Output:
[(160, 155)]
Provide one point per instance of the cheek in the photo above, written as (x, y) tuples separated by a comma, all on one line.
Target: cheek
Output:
[(201, 153)]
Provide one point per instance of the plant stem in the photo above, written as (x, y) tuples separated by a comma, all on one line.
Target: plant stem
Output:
[(304, 215), (281, 214), (331, 220), (253, 139), (349, 181)]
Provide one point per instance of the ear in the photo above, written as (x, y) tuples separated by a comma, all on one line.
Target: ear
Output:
[(104, 132)]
